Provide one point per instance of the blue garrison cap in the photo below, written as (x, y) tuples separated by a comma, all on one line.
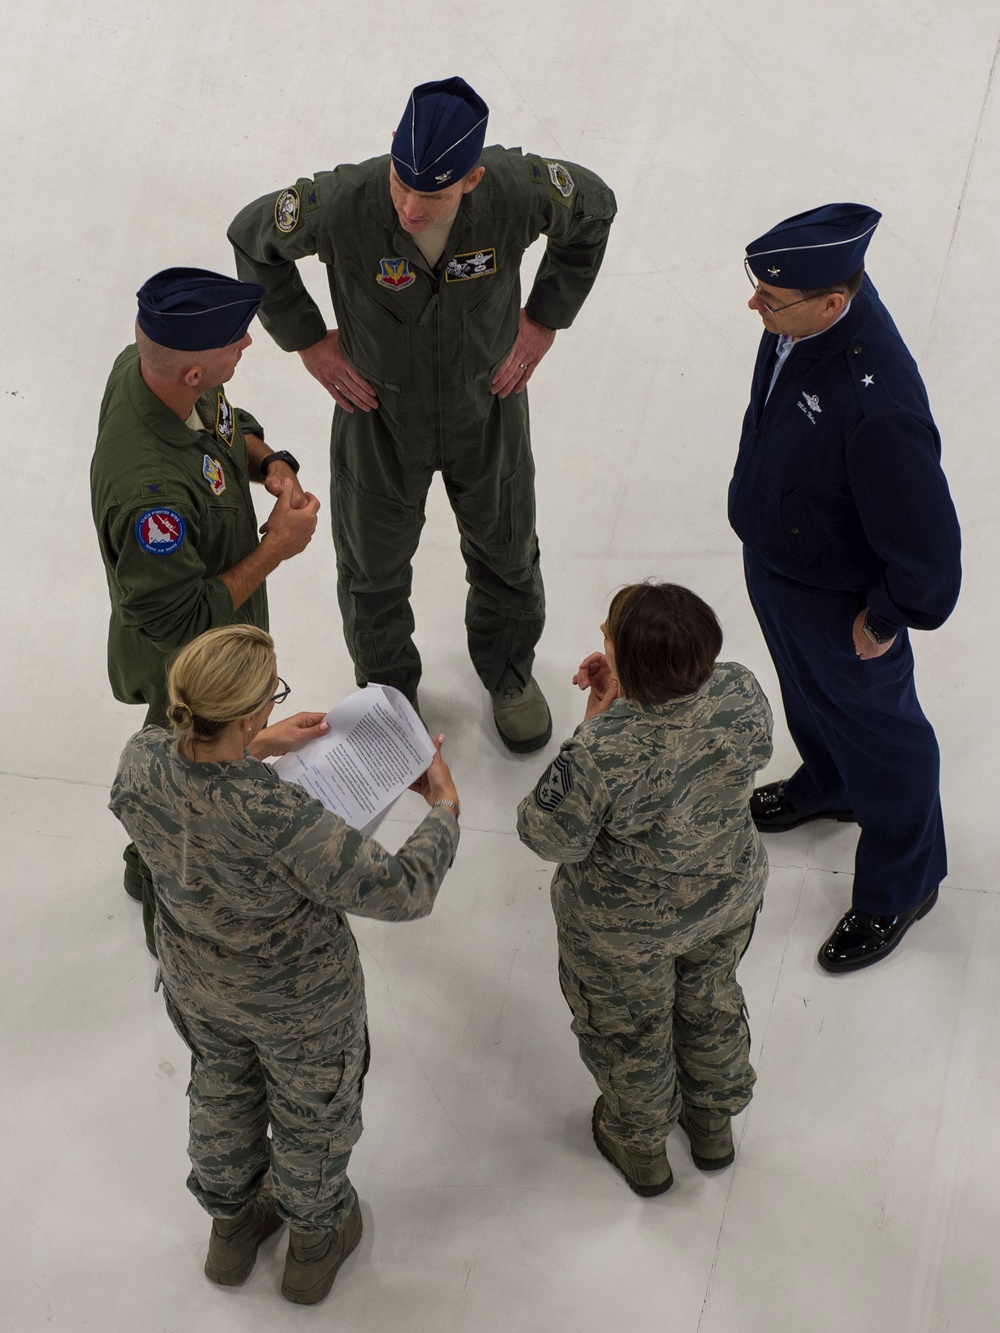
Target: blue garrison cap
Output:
[(441, 135), (192, 310), (814, 249)]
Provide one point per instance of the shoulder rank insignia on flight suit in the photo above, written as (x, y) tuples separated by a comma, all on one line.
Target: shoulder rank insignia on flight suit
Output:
[(212, 471), (475, 264), (224, 424), (395, 274), (160, 531), (554, 784)]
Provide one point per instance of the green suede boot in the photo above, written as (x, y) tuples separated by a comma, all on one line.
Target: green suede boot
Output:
[(314, 1258), (646, 1173), (711, 1138), (232, 1249)]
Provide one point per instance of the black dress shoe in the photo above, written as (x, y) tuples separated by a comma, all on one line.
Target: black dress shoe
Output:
[(861, 939), (773, 812)]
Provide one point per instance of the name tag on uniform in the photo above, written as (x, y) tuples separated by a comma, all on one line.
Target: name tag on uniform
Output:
[(476, 264)]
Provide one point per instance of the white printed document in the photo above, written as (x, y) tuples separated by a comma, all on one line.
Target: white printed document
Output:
[(375, 748)]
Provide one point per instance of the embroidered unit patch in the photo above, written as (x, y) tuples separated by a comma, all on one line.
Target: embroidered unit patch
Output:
[(561, 179), (286, 210), (475, 264), (225, 426), (554, 785), (395, 274), (160, 531), (211, 470)]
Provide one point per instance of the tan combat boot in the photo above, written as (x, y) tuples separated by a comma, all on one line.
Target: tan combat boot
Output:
[(711, 1138), (646, 1173), (314, 1259), (232, 1249)]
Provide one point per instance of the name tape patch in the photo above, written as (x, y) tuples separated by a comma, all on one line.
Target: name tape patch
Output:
[(475, 264)]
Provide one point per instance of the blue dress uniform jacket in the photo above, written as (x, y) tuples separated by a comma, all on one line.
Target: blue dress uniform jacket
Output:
[(841, 503), (838, 483)]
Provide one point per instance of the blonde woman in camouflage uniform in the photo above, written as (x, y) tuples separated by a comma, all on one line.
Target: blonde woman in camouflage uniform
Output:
[(261, 974), (660, 879)]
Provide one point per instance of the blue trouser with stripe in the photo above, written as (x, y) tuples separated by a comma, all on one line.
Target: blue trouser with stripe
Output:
[(864, 741)]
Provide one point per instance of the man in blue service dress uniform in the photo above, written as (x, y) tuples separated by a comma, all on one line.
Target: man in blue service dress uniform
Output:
[(423, 251), (850, 538)]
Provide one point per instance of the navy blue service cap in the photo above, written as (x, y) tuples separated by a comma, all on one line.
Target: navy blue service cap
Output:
[(192, 310), (816, 249), (441, 135)]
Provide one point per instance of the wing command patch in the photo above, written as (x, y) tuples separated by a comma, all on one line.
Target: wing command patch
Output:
[(554, 785), (395, 274), (160, 531), (211, 470)]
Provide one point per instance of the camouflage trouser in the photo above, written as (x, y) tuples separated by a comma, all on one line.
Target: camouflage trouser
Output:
[(661, 1031), (138, 880), (139, 884), (308, 1091)]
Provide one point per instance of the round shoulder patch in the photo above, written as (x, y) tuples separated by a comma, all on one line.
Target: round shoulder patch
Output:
[(160, 531), (286, 210)]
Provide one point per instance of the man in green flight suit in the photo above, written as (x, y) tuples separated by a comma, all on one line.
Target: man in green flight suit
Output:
[(171, 498), (428, 368)]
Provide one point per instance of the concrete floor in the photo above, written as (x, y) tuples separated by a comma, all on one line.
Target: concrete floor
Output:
[(864, 1191)]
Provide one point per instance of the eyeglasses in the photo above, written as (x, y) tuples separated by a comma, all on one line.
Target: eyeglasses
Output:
[(282, 694), (772, 309)]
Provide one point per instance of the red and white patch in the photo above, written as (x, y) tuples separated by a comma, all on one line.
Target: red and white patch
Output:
[(160, 531)]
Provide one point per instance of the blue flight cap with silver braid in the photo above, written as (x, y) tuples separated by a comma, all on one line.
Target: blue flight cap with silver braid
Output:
[(193, 310), (815, 249), (441, 135)]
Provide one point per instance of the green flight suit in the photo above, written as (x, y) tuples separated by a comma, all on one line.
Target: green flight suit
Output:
[(430, 341), (172, 509)]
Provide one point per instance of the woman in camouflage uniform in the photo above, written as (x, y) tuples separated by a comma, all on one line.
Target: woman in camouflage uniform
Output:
[(660, 879), (261, 974)]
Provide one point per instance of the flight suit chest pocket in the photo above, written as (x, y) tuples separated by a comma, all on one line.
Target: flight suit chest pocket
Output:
[(489, 319), (375, 321)]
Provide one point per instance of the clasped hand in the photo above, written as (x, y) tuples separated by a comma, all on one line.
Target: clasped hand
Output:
[(595, 675)]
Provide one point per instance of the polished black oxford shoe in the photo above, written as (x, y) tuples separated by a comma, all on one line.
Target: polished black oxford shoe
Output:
[(861, 939), (773, 812)]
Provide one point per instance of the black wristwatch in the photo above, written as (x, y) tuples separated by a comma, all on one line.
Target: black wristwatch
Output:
[(870, 632), (282, 456)]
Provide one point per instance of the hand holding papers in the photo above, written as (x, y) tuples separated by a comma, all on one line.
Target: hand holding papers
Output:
[(375, 748)]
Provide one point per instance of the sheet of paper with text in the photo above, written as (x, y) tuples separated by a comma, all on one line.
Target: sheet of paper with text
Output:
[(375, 748)]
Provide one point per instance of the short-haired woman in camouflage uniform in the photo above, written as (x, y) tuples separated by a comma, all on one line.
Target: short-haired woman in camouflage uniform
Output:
[(261, 974), (660, 878)]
